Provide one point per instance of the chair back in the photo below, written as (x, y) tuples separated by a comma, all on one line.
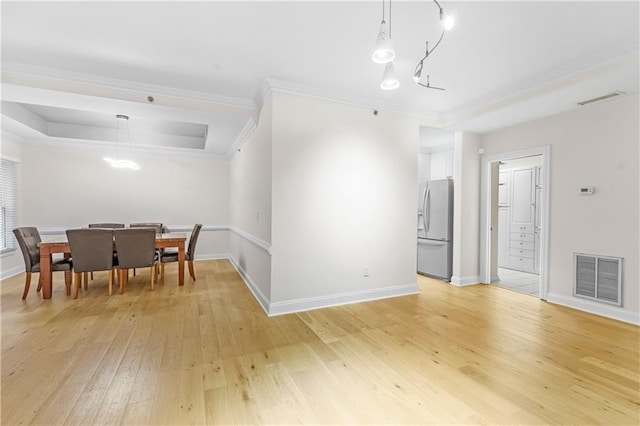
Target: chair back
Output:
[(135, 247), (28, 238), (191, 250), (106, 225), (91, 249), (156, 226)]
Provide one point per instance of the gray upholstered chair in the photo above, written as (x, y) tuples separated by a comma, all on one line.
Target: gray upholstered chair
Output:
[(171, 255), (28, 238), (158, 227), (93, 249), (106, 225), (136, 249)]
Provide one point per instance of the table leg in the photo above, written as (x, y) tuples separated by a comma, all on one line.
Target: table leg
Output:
[(181, 263), (45, 272)]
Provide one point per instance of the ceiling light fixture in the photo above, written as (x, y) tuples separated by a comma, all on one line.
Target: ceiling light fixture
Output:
[(122, 135), (384, 52), (447, 23), (389, 80)]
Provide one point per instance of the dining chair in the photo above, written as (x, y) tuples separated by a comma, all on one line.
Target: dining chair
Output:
[(159, 228), (28, 239), (171, 255), (93, 251), (105, 226), (136, 249)]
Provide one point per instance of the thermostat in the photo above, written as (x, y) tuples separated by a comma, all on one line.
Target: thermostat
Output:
[(586, 190)]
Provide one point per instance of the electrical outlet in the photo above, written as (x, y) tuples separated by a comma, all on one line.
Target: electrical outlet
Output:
[(365, 272)]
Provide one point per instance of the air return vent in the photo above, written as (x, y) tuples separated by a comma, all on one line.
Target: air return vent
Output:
[(598, 278), (601, 98)]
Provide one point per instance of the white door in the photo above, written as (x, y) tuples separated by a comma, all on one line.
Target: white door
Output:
[(503, 236)]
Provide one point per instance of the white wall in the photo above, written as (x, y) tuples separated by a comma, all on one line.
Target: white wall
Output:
[(344, 199), (596, 145), (65, 186), (250, 207), (466, 208)]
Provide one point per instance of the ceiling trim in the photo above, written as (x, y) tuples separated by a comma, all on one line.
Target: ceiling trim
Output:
[(242, 137), (91, 145), (453, 117), (270, 85), (23, 70)]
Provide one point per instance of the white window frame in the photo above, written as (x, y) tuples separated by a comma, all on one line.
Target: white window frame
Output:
[(8, 203)]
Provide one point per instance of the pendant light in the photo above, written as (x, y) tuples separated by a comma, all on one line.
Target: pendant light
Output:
[(389, 80), (122, 136), (384, 52)]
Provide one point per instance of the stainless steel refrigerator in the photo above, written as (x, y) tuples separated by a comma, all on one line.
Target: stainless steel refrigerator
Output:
[(435, 229)]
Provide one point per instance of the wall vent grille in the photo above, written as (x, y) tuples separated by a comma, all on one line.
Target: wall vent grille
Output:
[(601, 98), (598, 278)]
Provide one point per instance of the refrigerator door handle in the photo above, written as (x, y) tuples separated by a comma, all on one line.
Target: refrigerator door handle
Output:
[(426, 215)]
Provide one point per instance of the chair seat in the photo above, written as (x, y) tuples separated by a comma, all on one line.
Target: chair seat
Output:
[(59, 265), (172, 256)]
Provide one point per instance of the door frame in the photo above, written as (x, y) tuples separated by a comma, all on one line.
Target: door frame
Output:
[(485, 212)]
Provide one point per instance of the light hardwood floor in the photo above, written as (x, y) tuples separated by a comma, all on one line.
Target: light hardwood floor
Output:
[(207, 354)]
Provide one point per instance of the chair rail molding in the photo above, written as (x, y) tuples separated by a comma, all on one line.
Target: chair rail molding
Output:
[(251, 238)]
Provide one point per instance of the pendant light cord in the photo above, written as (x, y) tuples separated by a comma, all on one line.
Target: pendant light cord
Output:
[(389, 19), (389, 16)]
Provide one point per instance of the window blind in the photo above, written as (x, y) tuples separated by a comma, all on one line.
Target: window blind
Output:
[(8, 202)]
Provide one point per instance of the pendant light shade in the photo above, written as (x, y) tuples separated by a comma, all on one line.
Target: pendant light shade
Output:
[(389, 80), (122, 138), (384, 52)]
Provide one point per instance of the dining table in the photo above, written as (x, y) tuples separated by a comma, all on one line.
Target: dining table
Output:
[(61, 245)]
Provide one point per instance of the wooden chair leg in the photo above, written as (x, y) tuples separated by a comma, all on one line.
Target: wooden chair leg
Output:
[(152, 273), (110, 282), (123, 278), (39, 282), (27, 284), (76, 288), (91, 274), (191, 271), (162, 273), (67, 281), (86, 281)]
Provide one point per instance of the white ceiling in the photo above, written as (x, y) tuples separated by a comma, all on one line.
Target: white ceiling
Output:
[(207, 62)]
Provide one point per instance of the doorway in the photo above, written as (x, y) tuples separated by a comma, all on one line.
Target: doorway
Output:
[(514, 220)]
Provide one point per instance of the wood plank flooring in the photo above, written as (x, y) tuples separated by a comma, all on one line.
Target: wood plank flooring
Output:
[(207, 354)]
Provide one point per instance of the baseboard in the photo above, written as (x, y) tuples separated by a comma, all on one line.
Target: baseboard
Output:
[(495, 278), (7, 273), (595, 308), (213, 256), (300, 305), (260, 297), (461, 282)]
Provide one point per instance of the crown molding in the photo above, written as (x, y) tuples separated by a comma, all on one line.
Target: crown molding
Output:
[(242, 137), (91, 145), (526, 92), (23, 70), (11, 137), (272, 85)]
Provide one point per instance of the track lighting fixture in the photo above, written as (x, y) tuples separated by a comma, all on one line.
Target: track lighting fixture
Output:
[(385, 54), (447, 23)]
